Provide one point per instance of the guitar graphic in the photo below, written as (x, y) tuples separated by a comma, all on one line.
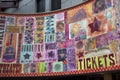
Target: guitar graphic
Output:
[(9, 55)]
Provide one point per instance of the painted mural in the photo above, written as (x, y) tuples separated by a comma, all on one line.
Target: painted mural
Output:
[(84, 38)]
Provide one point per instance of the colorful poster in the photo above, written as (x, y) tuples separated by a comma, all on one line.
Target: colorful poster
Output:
[(60, 27), (26, 53), (114, 46), (10, 68), (65, 44), (62, 54), (97, 25), (60, 16), (65, 67), (39, 53), (51, 55), (26, 68), (77, 30), (21, 21), (99, 5), (20, 38), (9, 52), (49, 28), (49, 46), (111, 18), (60, 31), (39, 30), (2, 30), (42, 67), (118, 54), (14, 29), (10, 21), (79, 49), (79, 13), (102, 40), (90, 44), (57, 67), (49, 66), (28, 30), (71, 59), (109, 3), (33, 67), (112, 35)]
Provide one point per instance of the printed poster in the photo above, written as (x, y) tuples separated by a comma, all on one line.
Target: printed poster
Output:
[(28, 30), (97, 25), (60, 31), (26, 68), (57, 67), (21, 21), (80, 49), (60, 27), (51, 55), (39, 30), (99, 5), (79, 13), (2, 30), (102, 40), (49, 28), (77, 30), (39, 54), (90, 44), (62, 54), (49, 46), (10, 21), (111, 18), (33, 67), (71, 62), (9, 53), (26, 53)]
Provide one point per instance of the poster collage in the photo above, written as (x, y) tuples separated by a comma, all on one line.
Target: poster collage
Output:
[(86, 37)]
